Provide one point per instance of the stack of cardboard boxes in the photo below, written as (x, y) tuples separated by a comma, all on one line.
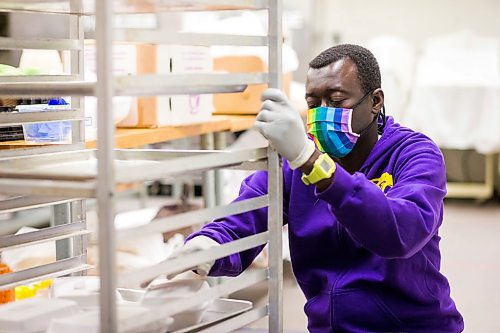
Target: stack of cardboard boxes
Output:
[(157, 111), (171, 110)]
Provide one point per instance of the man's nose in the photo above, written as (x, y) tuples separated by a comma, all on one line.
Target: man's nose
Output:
[(324, 103)]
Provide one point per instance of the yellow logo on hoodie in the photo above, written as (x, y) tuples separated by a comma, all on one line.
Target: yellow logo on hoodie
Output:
[(384, 182)]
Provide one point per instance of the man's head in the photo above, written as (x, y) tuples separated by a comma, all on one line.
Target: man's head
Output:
[(368, 71), (340, 77)]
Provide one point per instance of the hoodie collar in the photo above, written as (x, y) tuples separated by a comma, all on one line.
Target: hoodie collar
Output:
[(380, 147)]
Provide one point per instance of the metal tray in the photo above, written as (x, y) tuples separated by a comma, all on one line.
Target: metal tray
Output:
[(131, 165), (74, 165), (220, 310)]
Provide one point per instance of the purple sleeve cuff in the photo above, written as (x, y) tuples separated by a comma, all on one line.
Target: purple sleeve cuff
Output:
[(343, 186)]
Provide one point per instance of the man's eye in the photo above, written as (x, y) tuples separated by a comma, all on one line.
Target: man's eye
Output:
[(336, 104), (312, 105)]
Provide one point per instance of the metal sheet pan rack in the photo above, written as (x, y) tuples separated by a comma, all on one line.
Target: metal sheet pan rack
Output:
[(68, 226), (105, 168)]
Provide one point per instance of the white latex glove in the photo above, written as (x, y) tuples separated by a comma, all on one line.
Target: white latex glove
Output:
[(282, 125), (199, 243)]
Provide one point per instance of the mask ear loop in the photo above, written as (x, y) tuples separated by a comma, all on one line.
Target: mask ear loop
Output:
[(358, 103), (381, 127), (375, 119), (363, 132)]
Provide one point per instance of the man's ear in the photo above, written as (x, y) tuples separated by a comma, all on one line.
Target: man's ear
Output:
[(378, 100)]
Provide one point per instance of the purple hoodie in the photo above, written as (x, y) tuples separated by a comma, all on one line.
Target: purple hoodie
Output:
[(365, 251)]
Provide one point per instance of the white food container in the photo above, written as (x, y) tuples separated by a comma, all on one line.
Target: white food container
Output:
[(33, 315), (131, 319), (84, 290), (164, 292)]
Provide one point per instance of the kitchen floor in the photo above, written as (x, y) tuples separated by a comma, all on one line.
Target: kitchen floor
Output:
[(470, 249)]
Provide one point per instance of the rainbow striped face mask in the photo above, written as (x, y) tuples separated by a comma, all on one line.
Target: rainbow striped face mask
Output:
[(331, 129)]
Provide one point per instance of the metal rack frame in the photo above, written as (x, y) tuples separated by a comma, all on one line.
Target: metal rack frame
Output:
[(88, 7), (68, 214), (103, 184)]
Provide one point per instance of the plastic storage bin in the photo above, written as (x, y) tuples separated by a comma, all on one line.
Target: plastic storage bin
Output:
[(58, 132)]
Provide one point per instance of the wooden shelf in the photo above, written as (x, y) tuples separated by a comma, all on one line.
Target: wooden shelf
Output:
[(246, 121), (18, 144), (137, 137), (238, 122)]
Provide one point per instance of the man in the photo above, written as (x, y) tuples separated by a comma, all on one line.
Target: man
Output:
[(363, 201)]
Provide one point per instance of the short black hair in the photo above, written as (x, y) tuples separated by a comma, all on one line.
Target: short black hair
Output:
[(368, 69)]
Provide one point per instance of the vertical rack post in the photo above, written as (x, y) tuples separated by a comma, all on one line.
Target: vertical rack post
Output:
[(105, 175), (207, 143), (220, 144), (275, 179), (61, 214), (76, 31), (79, 244)]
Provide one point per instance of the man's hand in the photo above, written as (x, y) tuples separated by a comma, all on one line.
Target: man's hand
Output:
[(199, 243), (282, 125)]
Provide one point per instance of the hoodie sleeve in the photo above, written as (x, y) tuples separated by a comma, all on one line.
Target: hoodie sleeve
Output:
[(234, 227), (399, 224)]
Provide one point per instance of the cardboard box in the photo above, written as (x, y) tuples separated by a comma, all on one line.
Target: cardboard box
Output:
[(125, 62), (125, 59), (247, 102), (171, 110), (190, 59)]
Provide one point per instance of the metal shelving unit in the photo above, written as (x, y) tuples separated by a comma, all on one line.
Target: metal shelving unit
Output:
[(68, 228), (97, 173), (141, 85)]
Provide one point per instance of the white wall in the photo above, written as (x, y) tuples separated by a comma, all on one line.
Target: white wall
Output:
[(356, 21)]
